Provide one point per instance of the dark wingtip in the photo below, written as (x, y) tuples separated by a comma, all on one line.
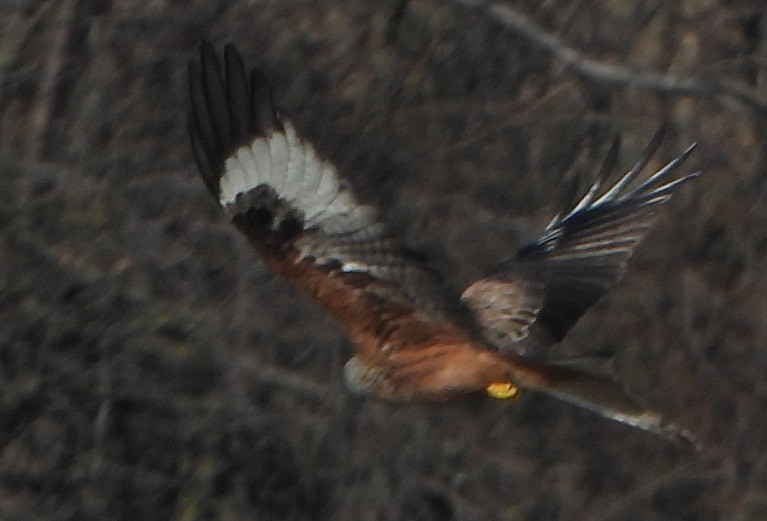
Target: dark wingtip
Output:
[(207, 170), (610, 159), (202, 140), (265, 118), (568, 198), (238, 96), (216, 98), (228, 108), (659, 135)]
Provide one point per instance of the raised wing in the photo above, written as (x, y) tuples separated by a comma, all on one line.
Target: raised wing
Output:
[(290, 203), (531, 301)]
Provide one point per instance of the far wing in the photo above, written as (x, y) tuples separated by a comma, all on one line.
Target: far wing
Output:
[(532, 300), (293, 207)]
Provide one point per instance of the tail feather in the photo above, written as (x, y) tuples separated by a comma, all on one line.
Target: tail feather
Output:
[(597, 393)]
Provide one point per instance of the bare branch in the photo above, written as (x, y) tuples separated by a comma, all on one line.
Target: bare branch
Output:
[(43, 106), (723, 94)]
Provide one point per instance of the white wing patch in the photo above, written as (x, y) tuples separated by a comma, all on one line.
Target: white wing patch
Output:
[(260, 160), (300, 179), (288, 184), (280, 153)]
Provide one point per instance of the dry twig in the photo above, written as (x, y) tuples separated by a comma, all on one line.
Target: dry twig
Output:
[(724, 94), (43, 105)]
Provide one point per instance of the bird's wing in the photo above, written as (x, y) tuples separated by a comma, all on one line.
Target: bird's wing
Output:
[(293, 207), (531, 301)]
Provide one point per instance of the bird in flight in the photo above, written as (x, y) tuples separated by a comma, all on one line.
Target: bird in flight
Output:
[(413, 343)]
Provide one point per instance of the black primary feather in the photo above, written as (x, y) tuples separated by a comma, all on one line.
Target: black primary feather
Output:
[(274, 184)]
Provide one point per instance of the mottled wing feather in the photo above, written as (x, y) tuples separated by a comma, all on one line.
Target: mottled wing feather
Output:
[(582, 253), (255, 163), (506, 307)]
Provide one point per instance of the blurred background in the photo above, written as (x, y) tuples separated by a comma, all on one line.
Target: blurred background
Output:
[(152, 368)]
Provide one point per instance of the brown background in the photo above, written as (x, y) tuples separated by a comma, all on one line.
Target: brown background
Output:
[(151, 368)]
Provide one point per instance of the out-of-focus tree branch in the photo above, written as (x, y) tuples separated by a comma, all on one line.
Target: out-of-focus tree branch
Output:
[(724, 94)]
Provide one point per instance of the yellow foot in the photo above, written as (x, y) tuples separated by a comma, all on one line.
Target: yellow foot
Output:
[(503, 391)]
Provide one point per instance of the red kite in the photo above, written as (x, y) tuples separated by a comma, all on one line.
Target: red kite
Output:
[(412, 342)]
